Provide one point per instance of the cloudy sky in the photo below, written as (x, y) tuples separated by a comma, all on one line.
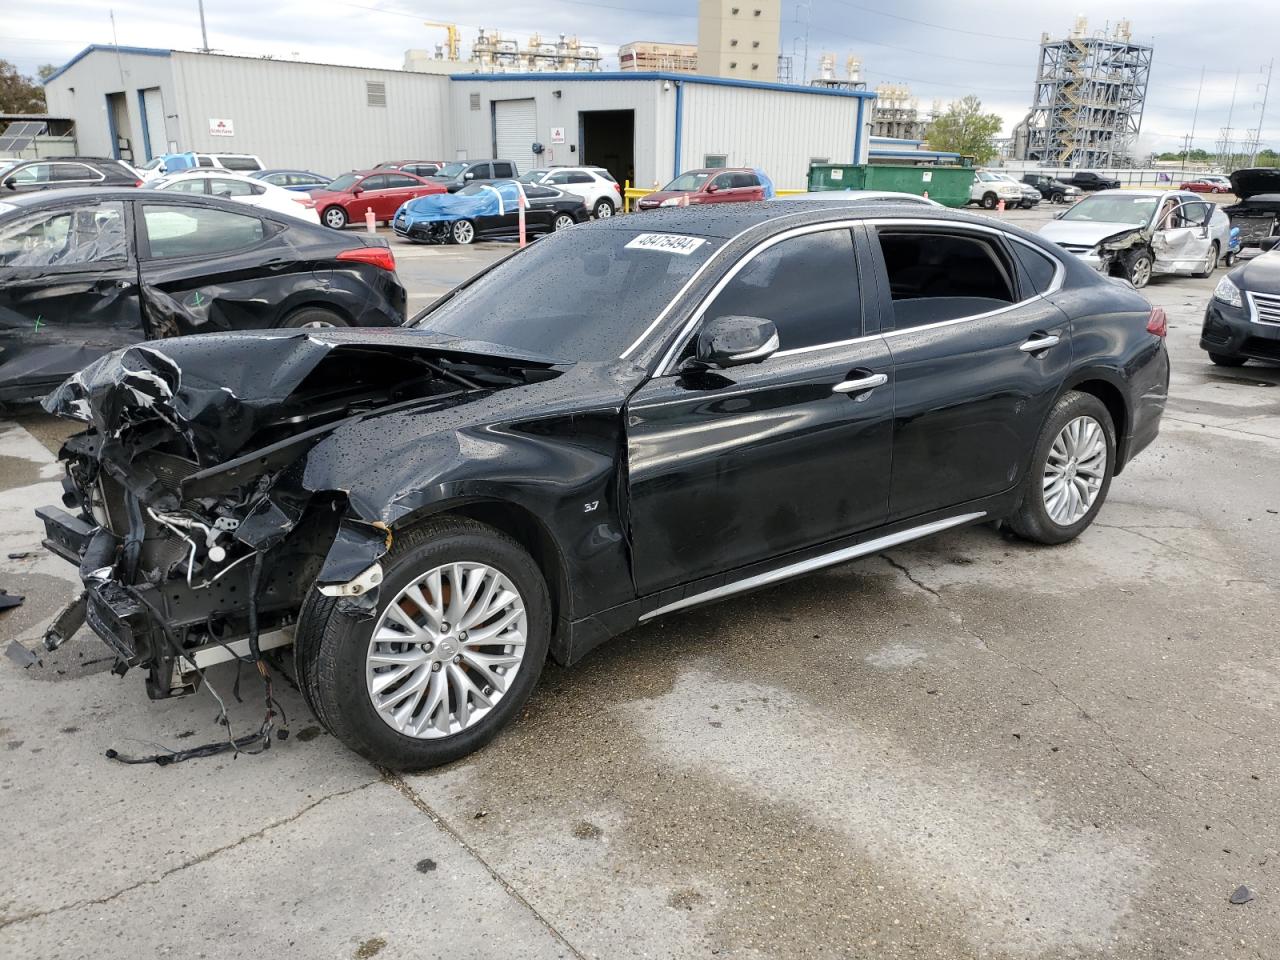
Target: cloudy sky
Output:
[(942, 50)]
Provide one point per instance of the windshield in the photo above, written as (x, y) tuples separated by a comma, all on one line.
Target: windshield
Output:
[(576, 295), (533, 176), (343, 183), (687, 181), (1136, 211), (471, 189), (451, 170)]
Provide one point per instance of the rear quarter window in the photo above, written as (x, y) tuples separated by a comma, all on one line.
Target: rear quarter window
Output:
[(1038, 269)]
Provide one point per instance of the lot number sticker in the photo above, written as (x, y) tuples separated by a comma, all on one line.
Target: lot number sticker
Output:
[(667, 243)]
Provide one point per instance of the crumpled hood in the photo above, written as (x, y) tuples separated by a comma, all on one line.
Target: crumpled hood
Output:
[(1082, 233), (218, 390), (1255, 180)]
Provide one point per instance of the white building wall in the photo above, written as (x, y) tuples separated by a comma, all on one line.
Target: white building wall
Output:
[(80, 92), (310, 115), (654, 117), (779, 132)]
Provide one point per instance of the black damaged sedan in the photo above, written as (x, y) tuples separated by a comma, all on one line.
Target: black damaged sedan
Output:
[(1242, 320), (84, 272), (731, 397)]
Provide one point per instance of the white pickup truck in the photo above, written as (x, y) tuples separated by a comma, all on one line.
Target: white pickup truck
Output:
[(990, 188)]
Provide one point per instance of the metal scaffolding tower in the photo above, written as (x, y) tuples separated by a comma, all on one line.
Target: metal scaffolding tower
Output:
[(1090, 91)]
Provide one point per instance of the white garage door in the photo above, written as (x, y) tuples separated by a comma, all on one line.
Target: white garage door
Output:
[(156, 141), (515, 128)]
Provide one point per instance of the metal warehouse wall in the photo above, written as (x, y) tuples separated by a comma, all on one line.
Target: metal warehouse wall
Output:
[(80, 92), (780, 132), (309, 115), (654, 118)]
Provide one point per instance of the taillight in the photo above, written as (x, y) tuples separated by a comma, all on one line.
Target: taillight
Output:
[(1158, 322), (378, 256), (137, 183)]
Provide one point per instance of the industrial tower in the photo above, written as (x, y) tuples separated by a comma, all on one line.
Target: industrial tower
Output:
[(1089, 96)]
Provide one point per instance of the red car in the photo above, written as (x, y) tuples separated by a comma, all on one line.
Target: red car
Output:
[(348, 197), (714, 185), (1208, 184)]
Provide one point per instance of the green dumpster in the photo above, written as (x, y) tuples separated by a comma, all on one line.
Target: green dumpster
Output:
[(947, 185)]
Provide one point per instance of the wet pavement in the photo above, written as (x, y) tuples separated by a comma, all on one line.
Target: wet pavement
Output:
[(968, 748)]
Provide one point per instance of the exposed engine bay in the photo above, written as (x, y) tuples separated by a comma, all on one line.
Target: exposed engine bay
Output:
[(187, 503)]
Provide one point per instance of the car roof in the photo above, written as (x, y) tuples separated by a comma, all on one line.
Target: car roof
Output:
[(77, 159), (60, 197), (1123, 192)]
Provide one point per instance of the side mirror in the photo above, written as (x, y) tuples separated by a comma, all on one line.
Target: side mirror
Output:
[(1269, 243), (356, 191), (468, 175), (10, 184), (733, 341), (712, 188)]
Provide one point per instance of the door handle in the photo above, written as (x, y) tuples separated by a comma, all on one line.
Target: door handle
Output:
[(1040, 341), (861, 383)]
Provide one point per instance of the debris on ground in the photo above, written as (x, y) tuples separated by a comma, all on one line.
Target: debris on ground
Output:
[(1241, 894), (10, 600), (21, 655), (21, 555)]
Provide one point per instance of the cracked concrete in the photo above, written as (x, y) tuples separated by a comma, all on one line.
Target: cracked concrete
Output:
[(969, 749)]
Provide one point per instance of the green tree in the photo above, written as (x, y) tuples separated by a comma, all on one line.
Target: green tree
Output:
[(1268, 158), (19, 94), (46, 70), (965, 129)]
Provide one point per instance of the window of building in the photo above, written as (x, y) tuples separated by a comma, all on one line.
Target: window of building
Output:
[(807, 285), (715, 160), (937, 276), (733, 43), (475, 101), (733, 64), (375, 92), (755, 44)]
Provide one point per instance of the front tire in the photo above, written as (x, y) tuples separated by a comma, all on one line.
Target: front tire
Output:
[(463, 232), (335, 217), (989, 201), (1226, 360), (1137, 267), (1070, 471), (453, 651)]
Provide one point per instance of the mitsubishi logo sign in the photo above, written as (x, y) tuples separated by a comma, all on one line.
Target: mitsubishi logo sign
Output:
[(221, 128)]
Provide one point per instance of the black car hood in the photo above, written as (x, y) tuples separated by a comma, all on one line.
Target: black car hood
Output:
[(218, 390), (1261, 274), (1255, 180)]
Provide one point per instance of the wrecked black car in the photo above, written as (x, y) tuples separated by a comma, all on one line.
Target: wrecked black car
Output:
[(729, 398), (84, 272), (1257, 208)]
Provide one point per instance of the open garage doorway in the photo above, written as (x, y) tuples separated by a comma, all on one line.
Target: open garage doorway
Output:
[(608, 139)]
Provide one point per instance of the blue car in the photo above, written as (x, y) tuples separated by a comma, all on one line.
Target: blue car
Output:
[(487, 210), (300, 180)]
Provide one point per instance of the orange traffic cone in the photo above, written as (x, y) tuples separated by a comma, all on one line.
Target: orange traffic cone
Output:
[(370, 221), (999, 206)]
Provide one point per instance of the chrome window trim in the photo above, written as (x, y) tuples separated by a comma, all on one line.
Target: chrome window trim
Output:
[(815, 563), (665, 366)]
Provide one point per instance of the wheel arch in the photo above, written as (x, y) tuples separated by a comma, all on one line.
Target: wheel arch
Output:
[(309, 301), (1103, 386), (523, 526)]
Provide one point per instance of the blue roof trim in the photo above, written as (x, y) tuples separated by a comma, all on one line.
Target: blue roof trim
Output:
[(913, 154), (141, 51), (896, 141), (673, 77)]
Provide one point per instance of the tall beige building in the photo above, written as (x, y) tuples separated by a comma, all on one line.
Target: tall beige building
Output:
[(739, 38)]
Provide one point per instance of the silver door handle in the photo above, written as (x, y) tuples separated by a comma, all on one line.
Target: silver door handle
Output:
[(862, 383), (1040, 343)]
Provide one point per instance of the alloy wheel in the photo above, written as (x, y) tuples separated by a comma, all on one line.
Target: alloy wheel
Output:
[(446, 650), (604, 210), (1140, 273), (564, 222), (335, 218), (463, 232), (1074, 470)]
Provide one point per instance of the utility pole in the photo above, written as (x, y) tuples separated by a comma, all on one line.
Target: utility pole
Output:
[(1262, 114), (1228, 142), (204, 34), (1194, 117)]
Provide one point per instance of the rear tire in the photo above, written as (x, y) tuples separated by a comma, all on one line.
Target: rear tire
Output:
[(332, 648), (1210, 262), (1226, 360), (603, 209), (1042, 518), (335, 217), (314, 318), (562, 222)]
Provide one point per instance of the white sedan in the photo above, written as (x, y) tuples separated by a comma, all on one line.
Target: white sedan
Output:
[(595, 185), (232, 186)]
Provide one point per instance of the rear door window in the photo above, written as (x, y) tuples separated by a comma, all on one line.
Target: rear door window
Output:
[(481, 171), (93, 233), (503, 171), (397, 181), (374, 183), (944, 275), (227, 187), (807, 285), (75, 173), (188, 230)]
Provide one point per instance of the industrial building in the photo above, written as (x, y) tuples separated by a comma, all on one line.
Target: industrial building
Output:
[(645, 56), (1089, 97), (136, 103), (739, 38)]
